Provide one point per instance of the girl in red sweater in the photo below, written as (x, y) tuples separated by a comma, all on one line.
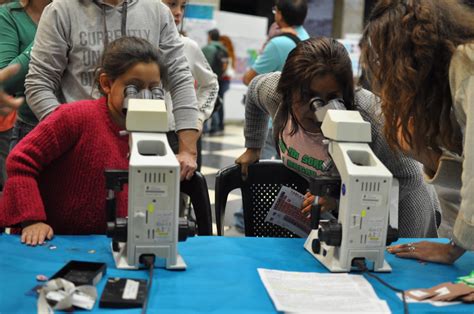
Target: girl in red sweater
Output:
[(56, 180)]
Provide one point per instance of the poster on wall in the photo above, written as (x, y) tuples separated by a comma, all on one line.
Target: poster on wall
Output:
[(247, 38), (247, 33), (198, 20), (351, 43)]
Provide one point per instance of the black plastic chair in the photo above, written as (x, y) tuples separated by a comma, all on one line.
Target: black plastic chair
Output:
[(197, 190), (259, 191)]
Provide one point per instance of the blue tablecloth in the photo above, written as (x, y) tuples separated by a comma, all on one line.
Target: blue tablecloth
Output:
[(221, 276)]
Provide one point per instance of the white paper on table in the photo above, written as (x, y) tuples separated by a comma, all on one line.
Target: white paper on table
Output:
[(297, 292), (286, 212)]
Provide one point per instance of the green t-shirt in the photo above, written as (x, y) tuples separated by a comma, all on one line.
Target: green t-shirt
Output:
[(17, 33)]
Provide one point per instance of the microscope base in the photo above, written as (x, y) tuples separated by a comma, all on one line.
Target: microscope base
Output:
[(329, 256), (120, 259)]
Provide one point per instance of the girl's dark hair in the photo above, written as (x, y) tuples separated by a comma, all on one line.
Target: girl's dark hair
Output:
[(123, 53), (407, 52), (313, 58)]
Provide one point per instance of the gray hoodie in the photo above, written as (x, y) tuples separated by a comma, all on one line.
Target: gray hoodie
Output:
[(69, 43)]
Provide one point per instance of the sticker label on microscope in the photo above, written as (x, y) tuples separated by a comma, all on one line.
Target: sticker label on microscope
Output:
[(156, 190), (371, 199)]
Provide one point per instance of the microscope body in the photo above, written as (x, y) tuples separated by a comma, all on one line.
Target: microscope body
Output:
[(153, 200), (360, 231), (153, 191)]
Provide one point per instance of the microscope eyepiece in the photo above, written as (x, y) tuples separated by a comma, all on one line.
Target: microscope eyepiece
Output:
[(316, 103), (320, 107), (158, 92), (130, 90)]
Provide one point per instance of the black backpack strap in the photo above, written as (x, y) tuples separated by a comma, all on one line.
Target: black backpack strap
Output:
[(293, 37)]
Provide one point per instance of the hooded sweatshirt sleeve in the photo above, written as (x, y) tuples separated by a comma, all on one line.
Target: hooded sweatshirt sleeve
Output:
[(206, 80), (178, 79), (49, 58)]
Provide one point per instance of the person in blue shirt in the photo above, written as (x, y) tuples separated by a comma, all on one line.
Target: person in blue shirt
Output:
[(289, 16)]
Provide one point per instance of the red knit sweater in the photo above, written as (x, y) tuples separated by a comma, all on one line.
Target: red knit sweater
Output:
[(56, 173)]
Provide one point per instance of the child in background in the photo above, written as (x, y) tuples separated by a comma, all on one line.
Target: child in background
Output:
[(56, 180), (206, 83)]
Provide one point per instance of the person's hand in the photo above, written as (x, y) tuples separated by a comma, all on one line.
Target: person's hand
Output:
[(187, 156), (250, 156), (428, 251), (187, 164), (327, 203), (34, 233), (8, 103)]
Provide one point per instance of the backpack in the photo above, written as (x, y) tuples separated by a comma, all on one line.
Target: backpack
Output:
[(220, 61), (294, 38)]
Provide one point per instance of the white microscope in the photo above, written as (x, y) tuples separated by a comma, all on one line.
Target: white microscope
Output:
[(153, 225), (361, 229)]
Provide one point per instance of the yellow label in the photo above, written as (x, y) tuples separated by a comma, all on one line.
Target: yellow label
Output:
[(363, 213)]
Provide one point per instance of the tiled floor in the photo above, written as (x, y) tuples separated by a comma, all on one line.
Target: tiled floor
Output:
[(219, 152)]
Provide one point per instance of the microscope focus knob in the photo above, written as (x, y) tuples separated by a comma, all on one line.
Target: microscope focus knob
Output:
[(117, 229), (316, 246), (331, 233)]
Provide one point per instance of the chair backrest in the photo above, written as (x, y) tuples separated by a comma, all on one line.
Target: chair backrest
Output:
[(259, 191), (197, 190)]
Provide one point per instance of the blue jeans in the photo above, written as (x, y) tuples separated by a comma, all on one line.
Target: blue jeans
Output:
[(217, 117), (4, 149), (19, 131)]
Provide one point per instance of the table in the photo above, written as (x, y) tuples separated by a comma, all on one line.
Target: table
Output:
[(221, 276)]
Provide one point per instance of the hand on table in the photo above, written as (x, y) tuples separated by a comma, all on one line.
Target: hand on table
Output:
[(35, 233), (428, 251)]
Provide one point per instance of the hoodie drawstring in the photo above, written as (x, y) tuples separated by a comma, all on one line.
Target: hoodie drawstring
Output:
[(123, 25)]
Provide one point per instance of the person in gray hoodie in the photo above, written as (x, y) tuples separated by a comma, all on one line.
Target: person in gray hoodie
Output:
[(70, 39)]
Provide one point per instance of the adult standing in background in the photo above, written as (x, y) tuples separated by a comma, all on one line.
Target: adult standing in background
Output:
[(18, 23), (218, 57), (206, 83), (69, 42), (289, 16)]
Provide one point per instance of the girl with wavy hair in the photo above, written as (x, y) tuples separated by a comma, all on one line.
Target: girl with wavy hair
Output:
[(319, 69), (420, 56)]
